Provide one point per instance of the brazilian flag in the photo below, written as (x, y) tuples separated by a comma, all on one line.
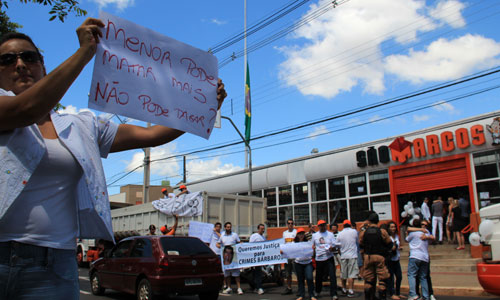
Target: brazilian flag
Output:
[(248, 106)]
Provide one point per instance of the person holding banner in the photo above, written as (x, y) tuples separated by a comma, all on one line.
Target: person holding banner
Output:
[(166, 231), (304, 269), (183, 190), (257, 271), (53, 185), (324, 245), (289, 236), (229, 238)]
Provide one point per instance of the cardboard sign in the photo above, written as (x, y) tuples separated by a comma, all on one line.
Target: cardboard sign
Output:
[(144, 75), (297, 250), (203, 231)]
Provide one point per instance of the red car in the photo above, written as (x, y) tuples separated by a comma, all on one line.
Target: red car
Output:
[(159, 265)]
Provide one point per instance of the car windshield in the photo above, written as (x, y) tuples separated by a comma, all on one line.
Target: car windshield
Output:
[(184, 246)]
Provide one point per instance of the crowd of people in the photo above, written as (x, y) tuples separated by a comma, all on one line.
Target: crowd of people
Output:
[(448, 219), (368, 250)]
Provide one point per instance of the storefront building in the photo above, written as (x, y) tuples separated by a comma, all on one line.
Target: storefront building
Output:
[(458, 159)]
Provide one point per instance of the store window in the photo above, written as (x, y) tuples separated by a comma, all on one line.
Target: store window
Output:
[(272, 217), (357, 185), (359, 209), (318, 190), (319, 211), (301, 215), (382, 206), (257, 193), (338, 211), (488, 192), (270, 194), (285, 213), (379, 182), (300, 193), (337, 188), (285, 195), (486, 164)]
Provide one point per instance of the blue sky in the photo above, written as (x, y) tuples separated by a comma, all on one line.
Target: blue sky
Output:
[(356, 54)]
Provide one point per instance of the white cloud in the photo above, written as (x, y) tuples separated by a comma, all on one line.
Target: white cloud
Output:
[(421, 118), (447, 12), (218, 22), (443, 106), (343, 47), (166, 168), (120, 4), (196, 168), (70, 109), (320, 130), (445, 59), (199, 169)]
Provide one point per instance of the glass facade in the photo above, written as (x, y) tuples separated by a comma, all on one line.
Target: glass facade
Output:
[(300, 193), (318, 190), (487, 170), (331, 199)]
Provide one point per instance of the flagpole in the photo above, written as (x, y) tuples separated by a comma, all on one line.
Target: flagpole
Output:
[(245, 61)]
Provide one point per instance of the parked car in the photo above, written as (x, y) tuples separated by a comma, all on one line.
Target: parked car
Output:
[(159, 265)]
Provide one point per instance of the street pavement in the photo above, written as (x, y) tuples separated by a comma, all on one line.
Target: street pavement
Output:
[(273, 292)]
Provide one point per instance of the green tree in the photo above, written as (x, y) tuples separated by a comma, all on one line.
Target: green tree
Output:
[(60, 8), (6, 25)]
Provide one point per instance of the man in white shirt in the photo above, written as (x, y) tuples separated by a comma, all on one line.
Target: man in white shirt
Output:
[(418, 263), (426, 212), (324, 245), (289, 236), (347, 239), (257, 271), (215, 243), (229, 238)]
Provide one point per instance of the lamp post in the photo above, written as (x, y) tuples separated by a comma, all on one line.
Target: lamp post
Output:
[(249, 155)]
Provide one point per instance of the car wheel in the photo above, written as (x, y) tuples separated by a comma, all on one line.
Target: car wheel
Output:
[(144, 290), (95, 284), (214, 295)]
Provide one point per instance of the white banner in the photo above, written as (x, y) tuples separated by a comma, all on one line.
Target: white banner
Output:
[(186, 205), (297, 250), (203, 231), (248, 255), (144, 75)]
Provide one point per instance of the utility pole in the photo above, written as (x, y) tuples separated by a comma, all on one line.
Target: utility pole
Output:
[(184, 168), (147, 162), (247, 148), (249, 156)]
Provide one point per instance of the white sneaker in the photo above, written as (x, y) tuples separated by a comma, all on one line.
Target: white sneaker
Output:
[(227, 291), (260, 291), (432, 297), (240, 291)]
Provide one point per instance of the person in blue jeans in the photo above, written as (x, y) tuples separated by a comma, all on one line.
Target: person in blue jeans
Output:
[(304, 269), (418, 263), (53, 187)]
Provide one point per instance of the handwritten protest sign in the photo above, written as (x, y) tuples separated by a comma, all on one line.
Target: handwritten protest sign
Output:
[(297, 250), (144, 75), (203, 231), (254, 254), (186, 205)]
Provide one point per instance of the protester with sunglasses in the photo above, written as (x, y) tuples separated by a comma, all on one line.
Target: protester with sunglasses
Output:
[(289, 236), (53, 186)]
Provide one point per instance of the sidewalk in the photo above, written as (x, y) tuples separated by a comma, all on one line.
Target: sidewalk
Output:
[(453, 272)]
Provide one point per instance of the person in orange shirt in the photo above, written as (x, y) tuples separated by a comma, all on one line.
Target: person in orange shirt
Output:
[(166, 231)]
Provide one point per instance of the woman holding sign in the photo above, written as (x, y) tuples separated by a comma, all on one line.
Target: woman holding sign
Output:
[(52, 180), (304, 269)]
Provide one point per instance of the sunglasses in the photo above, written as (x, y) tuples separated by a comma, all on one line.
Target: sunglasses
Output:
[(290, 223), (27, 56)]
